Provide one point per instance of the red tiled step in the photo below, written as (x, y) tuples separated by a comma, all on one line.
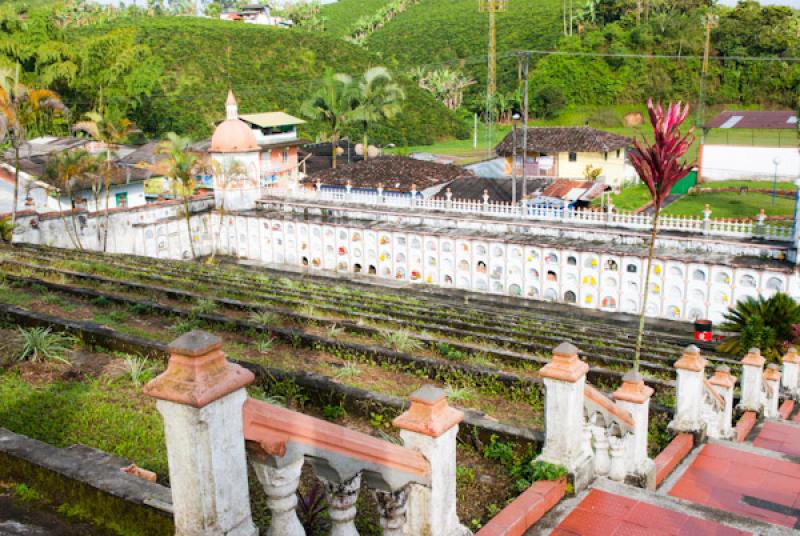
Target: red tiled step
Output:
[(526, 509), (786, 409), (779, 437), (731, 479), (745, 424), (606, 514), (669, 458)]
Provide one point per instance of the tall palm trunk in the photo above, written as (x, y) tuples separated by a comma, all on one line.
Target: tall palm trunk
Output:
[(16, 188), (366, 141), (188, 222), (643, 312), (334, 147), (107, 184)]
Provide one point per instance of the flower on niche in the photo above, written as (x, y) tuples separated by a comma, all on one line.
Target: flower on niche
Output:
[(382, 257), (430, 279), (657, 269), (725, 298), (342, 251), (656, 289), (594, 262), (589, 299)]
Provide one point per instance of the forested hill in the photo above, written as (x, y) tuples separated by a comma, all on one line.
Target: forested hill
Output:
[(172, 73), (442, 32)]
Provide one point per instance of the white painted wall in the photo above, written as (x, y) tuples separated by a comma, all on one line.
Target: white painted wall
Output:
[(723, 162)]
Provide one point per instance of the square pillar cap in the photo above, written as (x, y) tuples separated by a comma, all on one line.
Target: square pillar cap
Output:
[(691, 360), (565, 366), (773, 373), (791, 356), (722, 377), (197, 373), (429, 413), (753, 358), (633, 389)]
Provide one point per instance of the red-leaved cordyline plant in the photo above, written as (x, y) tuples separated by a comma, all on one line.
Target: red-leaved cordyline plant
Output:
[(659, 166)]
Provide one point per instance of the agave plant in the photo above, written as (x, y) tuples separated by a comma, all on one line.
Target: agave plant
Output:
[(768, 324), (42, 344)]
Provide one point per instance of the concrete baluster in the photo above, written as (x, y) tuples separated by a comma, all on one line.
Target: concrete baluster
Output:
[(791, 372), (280, 486), (752, 381), (564, 379), (342, 499), (724, 382), (430, 426), (634, 397), (200, 396), (772, 377), (392, 508), (690, 370), (602, 461)]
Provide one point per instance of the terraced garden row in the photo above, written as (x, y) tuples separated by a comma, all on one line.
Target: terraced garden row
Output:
[(532, 329)]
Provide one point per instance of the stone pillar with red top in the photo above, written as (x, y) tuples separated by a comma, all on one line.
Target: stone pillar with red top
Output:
[(772, 379), (634, 397), (430, 427), (564, 380), (752, 381), (690, 370), (724, 382), (791, 373), (200, 397)]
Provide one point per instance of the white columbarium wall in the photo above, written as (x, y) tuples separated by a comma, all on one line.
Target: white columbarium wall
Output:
[(532, 267), (610, 282)]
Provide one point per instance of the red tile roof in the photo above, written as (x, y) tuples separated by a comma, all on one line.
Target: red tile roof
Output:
[(785, 119), (563, 139)]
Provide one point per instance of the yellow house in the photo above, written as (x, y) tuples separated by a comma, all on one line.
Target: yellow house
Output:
[(569, 153)]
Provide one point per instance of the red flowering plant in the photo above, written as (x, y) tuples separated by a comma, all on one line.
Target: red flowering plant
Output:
[(660, 166)]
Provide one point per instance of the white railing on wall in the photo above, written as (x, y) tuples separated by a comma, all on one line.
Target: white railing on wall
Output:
[(529, 211)]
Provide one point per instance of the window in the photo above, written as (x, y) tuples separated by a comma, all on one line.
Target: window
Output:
[(573, 157), (285, 156), (618, 151), (605, 155)]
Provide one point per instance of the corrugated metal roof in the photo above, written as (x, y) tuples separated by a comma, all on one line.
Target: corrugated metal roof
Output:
[(785, 119), (271, 119)]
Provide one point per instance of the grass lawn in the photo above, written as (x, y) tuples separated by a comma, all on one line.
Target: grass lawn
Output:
[(110, 415), (750, 184), (464, 150), (731, 205), (630, 198)]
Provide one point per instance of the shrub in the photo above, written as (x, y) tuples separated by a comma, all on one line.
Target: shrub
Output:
[(41, 344), (333, 412), (548, 101), (264, 317), (401, 340), (138, 369), (764, 323)]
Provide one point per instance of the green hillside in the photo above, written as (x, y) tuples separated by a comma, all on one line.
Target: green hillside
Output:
[(342, 14), (268, 68), (443, 30)]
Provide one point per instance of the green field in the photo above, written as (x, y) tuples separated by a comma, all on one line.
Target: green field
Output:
[(731, 205)]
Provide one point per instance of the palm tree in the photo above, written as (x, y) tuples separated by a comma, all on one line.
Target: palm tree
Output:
[(109, 131), (70, 172), (332, 103), (764, 323), (22, 108), (183, 165), (659, 166), (379, 97)]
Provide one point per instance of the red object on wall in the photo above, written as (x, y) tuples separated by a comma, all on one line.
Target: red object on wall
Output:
[(703, 330)]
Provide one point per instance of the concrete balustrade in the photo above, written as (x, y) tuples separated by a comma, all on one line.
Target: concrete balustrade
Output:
[(211, 425)]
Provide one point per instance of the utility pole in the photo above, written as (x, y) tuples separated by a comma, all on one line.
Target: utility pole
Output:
[(491, 7), (709, 21), (524, 58)]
